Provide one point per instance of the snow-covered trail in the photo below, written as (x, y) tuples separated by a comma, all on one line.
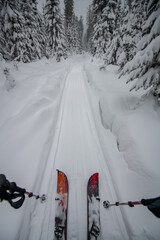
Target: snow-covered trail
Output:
[(73, 117), (79, 155)]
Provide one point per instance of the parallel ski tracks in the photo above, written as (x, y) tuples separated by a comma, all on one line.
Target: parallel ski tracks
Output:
[(108, 188), (80, 162), (76, 150), (45, 182)]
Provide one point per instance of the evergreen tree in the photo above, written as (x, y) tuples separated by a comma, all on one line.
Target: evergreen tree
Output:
[(123, 50), (99, 37), (80, 33), (68, 12), (68, 23), (131, 29), (41, 33), (1, 30), (104, 26), (31, 33), (112, 16), (145, 66), (127, 39), (55, 30), (98, 6), (11, 30), (99, 30), (89, 31), (75, 44), (20, 31), (75, 41)]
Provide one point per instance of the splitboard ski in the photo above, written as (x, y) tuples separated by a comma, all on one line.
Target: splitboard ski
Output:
[(93, 207), (61, 199)]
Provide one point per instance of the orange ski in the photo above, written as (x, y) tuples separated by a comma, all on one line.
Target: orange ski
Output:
[(61, 207)]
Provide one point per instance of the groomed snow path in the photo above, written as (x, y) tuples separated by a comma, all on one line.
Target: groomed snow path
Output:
[(76, 151), (79, 155)]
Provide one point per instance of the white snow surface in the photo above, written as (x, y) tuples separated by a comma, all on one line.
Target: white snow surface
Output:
[(73, 117)]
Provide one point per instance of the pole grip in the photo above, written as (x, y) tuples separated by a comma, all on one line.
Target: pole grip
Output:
[(136, 203)]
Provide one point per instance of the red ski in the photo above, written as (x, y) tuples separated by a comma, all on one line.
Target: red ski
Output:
[(61, 207), (93, 206)]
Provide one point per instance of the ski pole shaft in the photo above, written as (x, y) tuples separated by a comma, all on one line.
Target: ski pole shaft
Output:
[(30, 194), (107, 204)]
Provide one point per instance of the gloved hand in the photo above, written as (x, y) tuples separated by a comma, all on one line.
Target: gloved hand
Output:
[(153, 205)]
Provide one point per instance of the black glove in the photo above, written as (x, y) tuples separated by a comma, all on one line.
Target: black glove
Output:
[(153, 205), (10, 191)]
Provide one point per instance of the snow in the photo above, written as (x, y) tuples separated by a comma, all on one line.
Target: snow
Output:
[(73, 117)]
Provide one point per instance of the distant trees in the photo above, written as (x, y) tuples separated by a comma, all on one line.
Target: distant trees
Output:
[(89, 31), (73, 28), (68, 12)]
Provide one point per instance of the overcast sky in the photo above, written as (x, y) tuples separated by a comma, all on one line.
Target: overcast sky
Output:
[(80, 6)]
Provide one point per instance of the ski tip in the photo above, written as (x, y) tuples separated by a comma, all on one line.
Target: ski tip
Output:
[(94, 176)]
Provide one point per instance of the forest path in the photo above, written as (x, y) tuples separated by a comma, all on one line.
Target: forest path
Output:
[(74, 148), (79, 155)]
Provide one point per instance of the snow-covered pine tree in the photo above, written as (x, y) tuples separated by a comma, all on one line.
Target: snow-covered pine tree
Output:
[(75, 44), (98, 6), (125, 34), (80, 33), (55, 30), (112, 17), (99, 30), (12, 44), (41, 33), (37, 33), (32, 40), (68, 11), (98, 38), (20, 30), (75, 41), (138, 12), (89, 32), (131, 29), (68, 22), (2, 40), (144, 68)]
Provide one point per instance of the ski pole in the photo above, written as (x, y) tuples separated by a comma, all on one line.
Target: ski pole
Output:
[(107, 204), (42, 198), (153, 204)]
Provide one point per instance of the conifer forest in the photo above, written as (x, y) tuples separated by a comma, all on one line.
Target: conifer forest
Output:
[(121, 32)]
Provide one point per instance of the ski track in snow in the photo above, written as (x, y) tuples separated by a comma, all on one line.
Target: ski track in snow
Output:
[(78, 154), (76, 151), (73, 145)]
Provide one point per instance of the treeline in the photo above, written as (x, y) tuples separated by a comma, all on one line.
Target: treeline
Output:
[(27, 35), (127, 33)]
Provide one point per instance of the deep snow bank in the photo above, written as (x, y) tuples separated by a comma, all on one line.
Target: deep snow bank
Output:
[(132, 128)]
